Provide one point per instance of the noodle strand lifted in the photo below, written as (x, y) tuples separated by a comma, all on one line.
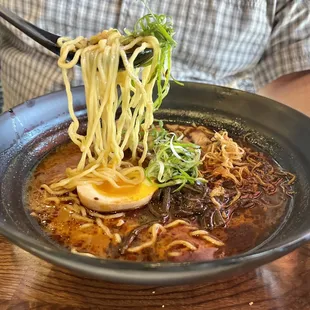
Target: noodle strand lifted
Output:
[(106, 140)]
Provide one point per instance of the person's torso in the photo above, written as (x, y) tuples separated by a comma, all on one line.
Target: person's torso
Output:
[(218, 41)]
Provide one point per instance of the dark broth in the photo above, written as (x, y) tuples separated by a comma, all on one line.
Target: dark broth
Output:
[(247, 227)]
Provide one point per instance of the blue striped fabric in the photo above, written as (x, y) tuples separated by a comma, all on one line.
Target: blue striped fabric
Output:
[(1, 97), (241, 44)]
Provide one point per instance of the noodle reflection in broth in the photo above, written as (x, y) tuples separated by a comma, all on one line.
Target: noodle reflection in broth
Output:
[(129, 189)]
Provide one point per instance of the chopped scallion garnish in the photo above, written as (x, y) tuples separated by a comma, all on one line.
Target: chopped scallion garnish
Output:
[(161, 27), (175, 162)]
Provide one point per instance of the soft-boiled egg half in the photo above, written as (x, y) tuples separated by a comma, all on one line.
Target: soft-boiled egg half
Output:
[(107, 198)]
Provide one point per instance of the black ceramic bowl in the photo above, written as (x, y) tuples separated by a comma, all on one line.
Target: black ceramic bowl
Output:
[(31, 130)]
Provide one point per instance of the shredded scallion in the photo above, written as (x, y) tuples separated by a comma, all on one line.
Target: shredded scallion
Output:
[(161, 27), (175, 162)]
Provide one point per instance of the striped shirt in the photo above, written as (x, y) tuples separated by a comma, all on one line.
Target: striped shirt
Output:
[(244, 44)]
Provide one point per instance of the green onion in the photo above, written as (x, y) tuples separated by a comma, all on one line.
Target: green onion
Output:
[(175, 162), (161, 27)]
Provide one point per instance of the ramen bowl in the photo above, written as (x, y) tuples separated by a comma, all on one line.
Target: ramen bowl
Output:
[(30, 131)]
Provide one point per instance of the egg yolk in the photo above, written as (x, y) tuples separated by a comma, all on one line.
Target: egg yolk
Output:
[(133, 192)]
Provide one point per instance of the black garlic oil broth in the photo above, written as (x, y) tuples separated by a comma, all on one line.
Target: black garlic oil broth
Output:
[(239, 226)]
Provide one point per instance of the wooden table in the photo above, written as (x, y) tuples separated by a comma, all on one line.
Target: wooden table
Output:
[(26, 282)]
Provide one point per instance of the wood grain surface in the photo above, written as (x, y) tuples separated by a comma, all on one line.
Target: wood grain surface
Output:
[(27, 282)]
